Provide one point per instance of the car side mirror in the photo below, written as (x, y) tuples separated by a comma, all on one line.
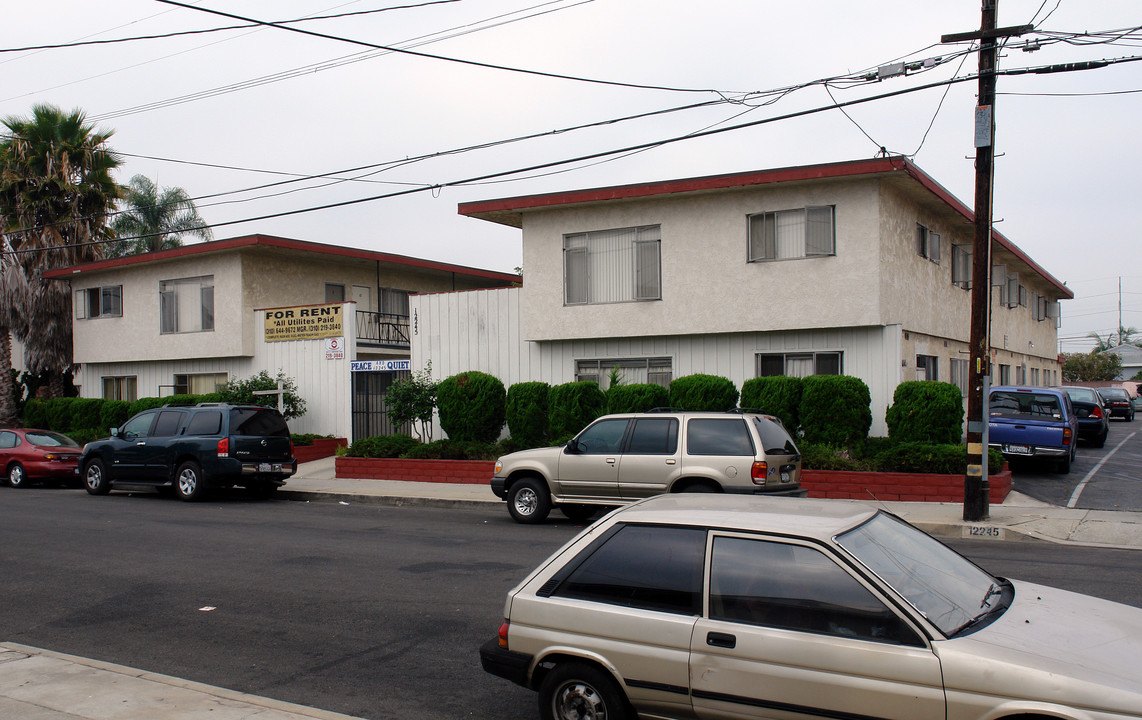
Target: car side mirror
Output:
[(114, 432), (572, 446)]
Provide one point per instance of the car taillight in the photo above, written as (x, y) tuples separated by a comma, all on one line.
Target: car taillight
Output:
[(224, 447), (1066, 436), (51, 456), (759, 472), (1097, 412), (503, 635)]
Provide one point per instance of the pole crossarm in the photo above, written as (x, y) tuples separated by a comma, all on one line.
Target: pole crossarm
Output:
[(992, 34)]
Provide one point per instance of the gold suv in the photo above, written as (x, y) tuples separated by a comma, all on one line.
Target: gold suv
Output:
[(720, 606), (621, 458)]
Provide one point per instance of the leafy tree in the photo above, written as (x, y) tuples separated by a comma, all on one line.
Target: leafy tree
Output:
[(412, 400), (56, 191), (154, 218), (241, 392), (1091, 367)]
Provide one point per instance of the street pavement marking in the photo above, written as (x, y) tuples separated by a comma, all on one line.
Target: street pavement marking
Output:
[(1079, 489)]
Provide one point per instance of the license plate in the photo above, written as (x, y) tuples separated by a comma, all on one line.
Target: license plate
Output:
[(265, 467), (786, 476), (1018, 450)]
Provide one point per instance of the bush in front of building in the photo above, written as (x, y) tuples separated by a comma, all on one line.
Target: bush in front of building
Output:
[(59, 414), (527, 413), (822, 456), (382, 446), (777, 395), (241, 392), (85, 413), (924, 457), (36, 413), (572, 406), (702, 393), (113, 414), (834, 409), (639, 397), (449, 449), (926, 411), (472, 406)]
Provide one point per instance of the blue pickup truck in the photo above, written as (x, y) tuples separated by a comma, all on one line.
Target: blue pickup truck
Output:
[(1033, 422)]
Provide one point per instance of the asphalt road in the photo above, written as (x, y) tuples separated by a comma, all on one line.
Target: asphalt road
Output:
[(1106, 478), (367, 610)]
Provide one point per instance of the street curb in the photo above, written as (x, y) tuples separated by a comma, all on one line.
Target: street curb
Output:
[(389, 500), (212, 690)]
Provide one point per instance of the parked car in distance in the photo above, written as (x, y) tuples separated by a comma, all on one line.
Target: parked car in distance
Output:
[(28, 455), (1031, 422), (722, 606), (1094, 420), (193, 449), (625, 457), (1120, 404)]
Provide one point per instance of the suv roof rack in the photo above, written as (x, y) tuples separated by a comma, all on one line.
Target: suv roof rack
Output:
[(212, 404), (664, 410), (744, 410)]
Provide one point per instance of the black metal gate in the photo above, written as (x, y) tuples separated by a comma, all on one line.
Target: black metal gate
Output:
[(370, 413)]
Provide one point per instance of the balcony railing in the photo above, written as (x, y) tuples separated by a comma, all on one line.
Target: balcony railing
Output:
[(382, 329)]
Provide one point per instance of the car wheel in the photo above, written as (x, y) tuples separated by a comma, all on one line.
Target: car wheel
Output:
[(188, 483), (579, 513), (17, 476), (576, 691), (700, 487), (95, 479), (1064, 465), (529, 501), (1100, 440)]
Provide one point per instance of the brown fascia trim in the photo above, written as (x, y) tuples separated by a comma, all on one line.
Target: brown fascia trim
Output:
[(509, 211), (280, 243)]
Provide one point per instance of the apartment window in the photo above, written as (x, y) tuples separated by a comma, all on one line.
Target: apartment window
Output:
[(612, 266), (1013, 291), (394, 302), (334, 292), (99, 302), (798, 364), (1024, 296), (927, 367), (1035, 377), (789, 234), (200, 384), (656, 371), (927, 243), (958, 369), (962, 266), (1020, 374), (120, 388), (186, 305), (1004, 374)]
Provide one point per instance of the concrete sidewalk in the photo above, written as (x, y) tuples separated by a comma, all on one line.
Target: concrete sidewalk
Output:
[(39, 684), (1018, 518)]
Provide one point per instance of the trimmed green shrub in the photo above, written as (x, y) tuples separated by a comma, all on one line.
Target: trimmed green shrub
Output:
[(382, 446), (776, 395), (36, 413), (305, 439), (920, 457), (834, 409), (472, 406), (449, 449), (113, 414), (635, 398), (527, 413), (816, 456), (572, 406), (59, 414), (85, 436), (147, 403), (241, 392), (85, 413), (703, 393), (926, 411)]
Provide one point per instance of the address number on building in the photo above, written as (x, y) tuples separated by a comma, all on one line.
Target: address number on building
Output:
[(380, 365)]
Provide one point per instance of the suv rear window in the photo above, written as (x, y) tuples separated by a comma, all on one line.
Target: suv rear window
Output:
[(257, 421), (205, 423), (774, 438), (1024, 406), (716, 436)]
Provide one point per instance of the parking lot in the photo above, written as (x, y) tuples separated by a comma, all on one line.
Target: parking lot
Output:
[(1105, 478)]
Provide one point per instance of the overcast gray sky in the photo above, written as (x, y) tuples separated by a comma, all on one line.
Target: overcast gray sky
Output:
[(224, 112)]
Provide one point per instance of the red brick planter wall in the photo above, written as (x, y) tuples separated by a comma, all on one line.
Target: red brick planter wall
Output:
[(472, 472), (819, 483), (904, 487), (321, 448)]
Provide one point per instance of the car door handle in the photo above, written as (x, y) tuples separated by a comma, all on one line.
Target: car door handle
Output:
[(141, 442), (671, 461), (611, 461), (724, 640)]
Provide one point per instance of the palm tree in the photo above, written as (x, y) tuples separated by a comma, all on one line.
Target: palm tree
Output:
[(155, 219), (1124, 336), (56, 191)]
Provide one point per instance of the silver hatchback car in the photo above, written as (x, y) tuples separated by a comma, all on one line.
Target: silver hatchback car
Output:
[(718, 606)]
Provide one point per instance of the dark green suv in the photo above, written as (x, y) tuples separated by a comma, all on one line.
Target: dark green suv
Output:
[(192, 449)]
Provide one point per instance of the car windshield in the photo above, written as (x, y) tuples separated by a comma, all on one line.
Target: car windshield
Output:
[(46, 438), (1114, 394), (1024, 405), (1082, 395), (946, 587)]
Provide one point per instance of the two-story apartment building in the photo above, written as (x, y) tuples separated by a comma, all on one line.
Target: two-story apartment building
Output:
[(858, 268), (190, 319)]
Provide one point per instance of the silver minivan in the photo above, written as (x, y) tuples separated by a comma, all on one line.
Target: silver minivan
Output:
[(622, 458)]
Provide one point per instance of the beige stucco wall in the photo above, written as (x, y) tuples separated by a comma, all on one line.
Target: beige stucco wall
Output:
[(707, 284)]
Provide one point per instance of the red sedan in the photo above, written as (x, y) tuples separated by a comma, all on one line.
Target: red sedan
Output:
[(27, 455)]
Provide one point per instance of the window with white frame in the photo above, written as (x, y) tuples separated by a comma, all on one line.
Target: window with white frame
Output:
[(962, 266), (927, 367), (199, 384), (186, 305), (99, 302), (927, 243), (612, 266), (121, 388), (631, 371), (788, 234), (798, 364), (958, 369)]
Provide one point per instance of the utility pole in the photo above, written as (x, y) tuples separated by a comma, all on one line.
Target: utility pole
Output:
[(976, 488)]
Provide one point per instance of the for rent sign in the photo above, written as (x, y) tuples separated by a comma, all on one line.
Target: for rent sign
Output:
[(304, 322)]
